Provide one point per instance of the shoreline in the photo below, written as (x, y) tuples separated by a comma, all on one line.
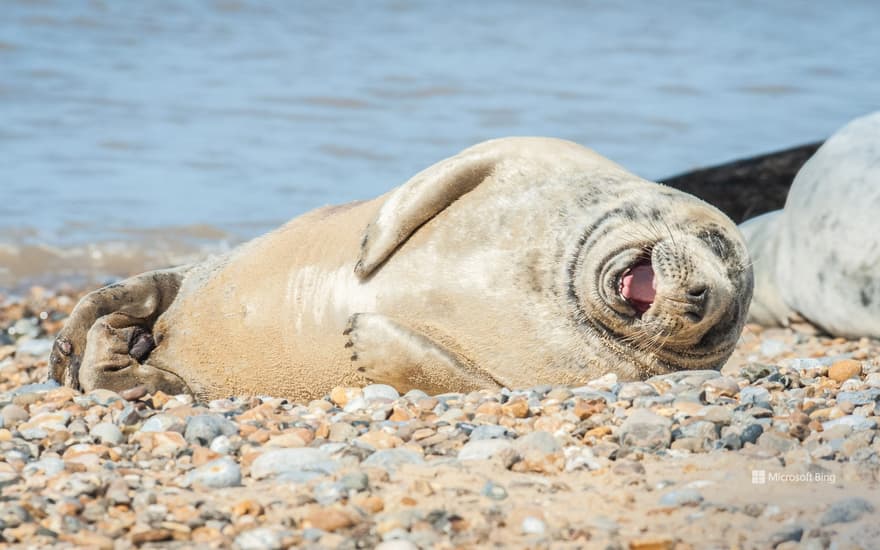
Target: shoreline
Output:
[(778, 449)]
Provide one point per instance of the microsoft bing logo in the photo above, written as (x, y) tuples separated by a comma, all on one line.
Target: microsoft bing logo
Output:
[(759, 477)]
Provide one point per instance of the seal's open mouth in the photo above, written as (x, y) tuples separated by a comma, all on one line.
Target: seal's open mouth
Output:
[(638, 287)]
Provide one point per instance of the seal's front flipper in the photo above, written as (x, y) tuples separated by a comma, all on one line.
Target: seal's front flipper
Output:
[(134, 302), (389, 353), (419, 200), (113, 355)]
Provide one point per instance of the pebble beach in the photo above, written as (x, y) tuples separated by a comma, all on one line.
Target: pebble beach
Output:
[(777, 450)]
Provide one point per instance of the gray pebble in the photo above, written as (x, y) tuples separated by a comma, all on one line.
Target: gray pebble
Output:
[(751, 433), (716, 414), (222, 444), (791, 533), (222, 472), (540, 441), (357, 481), (857, 398), (776, 442), (163, 422), (694, 378), (853, 421), (644, 402), (390, 459), (356, 404), (40, 387), (342, 431), (27, 327), (631, 390), (483, 449), (380, 391), (490, 431), (260, 538), (328, 492), (494, 491), (645, 429), (203, 428), (757, 371), (107, 433), (103, 397), (36, 347), (32, 434), (415, 395), (49, 466), (13, 515), (730, 441), (847, 510), (756, 396), (278, 461), (681, 497), (701, 429)]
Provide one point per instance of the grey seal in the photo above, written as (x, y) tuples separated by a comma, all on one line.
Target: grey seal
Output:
[(517, 262), (818, 258)]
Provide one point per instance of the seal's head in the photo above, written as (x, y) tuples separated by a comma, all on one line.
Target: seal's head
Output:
[(666, 285)]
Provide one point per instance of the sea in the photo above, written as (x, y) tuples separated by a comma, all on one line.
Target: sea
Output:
[(140, 134)]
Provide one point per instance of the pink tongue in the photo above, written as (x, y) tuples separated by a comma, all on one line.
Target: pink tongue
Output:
[(638, 284)]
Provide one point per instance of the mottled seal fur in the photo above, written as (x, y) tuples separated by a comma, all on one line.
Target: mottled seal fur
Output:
[(819, 257), (517, 262)]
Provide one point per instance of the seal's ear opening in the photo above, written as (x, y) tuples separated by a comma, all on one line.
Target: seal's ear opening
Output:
[(418, 200)]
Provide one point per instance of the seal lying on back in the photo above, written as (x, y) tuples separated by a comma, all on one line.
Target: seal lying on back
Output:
[(517, 262), (819, 257)]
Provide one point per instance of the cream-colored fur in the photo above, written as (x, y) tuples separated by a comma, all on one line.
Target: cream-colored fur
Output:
[(469, 275)]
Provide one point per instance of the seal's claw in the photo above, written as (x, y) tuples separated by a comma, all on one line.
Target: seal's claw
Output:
[(64, 346)]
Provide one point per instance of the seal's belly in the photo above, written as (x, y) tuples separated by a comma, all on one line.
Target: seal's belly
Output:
[(277, 306)]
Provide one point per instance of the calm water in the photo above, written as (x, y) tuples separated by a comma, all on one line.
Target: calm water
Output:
[(134, 134)]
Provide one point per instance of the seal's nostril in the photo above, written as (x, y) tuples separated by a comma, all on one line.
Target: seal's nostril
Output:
[(697, 292)]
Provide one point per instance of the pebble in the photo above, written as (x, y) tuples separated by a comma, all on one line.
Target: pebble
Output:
[(163, 422), (757, 396), (483, 449), (374, 392), (260, 538), (681, 497), (844, 370), (490, 431), (366, 467), (543, 442), (645, 429), (776, 442), (13, 415), (631, 390), (103, 397), (279, 461), (219, 473), (107, 433), (36, 347), (202, 429), (751, 433), (493, 491), (792, 533), (391, 459), (853, 421), (717, 388), (533, 526), (847, 510)]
